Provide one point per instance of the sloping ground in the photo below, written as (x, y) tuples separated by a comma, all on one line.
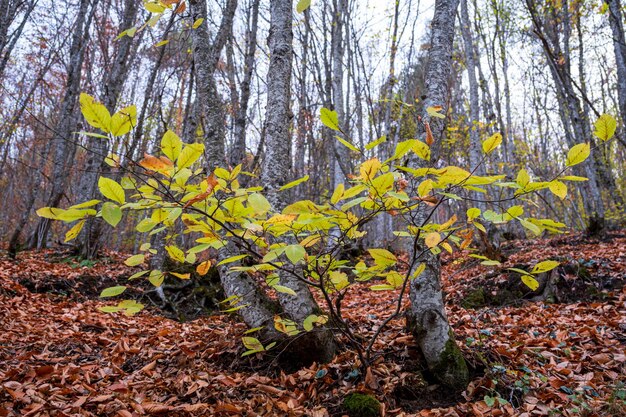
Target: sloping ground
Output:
[(60, 356)]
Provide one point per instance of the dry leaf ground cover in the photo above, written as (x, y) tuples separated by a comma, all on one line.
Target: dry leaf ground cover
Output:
[(60, 356)]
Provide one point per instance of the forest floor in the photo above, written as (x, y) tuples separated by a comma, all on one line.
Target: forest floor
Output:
[(60, 356)]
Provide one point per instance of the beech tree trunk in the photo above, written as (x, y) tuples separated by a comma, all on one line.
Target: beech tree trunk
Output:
[(64, 140), (616, 20), (317, 345), (97, 148), (427, 316), (206, 55)]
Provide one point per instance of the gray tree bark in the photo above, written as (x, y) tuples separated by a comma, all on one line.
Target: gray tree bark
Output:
[(89, 238), (616, 19), (206, 55), (238, 152), (316, 345), (427, 316), (64, 142)]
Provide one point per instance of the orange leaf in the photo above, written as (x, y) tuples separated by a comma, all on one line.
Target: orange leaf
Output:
[(429, 134), (152, 163)]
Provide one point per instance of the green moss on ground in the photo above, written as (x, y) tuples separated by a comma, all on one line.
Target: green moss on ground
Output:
[(361, 405)]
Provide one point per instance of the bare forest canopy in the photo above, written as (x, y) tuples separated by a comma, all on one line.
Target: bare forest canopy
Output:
[(267, 161)]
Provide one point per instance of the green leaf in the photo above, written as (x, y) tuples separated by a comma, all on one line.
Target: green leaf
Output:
[(382, 257), (490, 401), (605, 127), (252, 343), (578, 154), (573, 178), (259, 203), (231, 259), (530, 282), (491, 143), (294, 183), (111, 213), (329, 119), (303, 5), (112, 291), (284, 290), (171, 145), (135, 260), (376, 142), (295, 253), (382, 287), (111, 190), (544, 267), (530, 226), (421, 149)]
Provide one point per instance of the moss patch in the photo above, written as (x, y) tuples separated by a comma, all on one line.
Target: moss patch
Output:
[(474, 299), (451, 370), (361, 405)]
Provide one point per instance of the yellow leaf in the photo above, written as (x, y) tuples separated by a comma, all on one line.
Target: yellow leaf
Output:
[(347, 144), (197, 23), (203, 268), (559, 189), (432, 239), (329, 118), (189, 155), (181, 276), (522, 178), (605, 127), (422, 150), (303, 5), (154, 7), (134, 260), (433, 111), (530, 282), (369, 168), (376, 142), (578, 154), (175, 253), (171, 145), (382, 257), (95, 113), (74, 231), (425, 188), (123, 121), (491, 143), (163, 42), (337, 194), (111, 190), (294, 183)]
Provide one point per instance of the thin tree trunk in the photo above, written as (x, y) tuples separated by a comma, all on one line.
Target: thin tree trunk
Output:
[(238, 153)]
